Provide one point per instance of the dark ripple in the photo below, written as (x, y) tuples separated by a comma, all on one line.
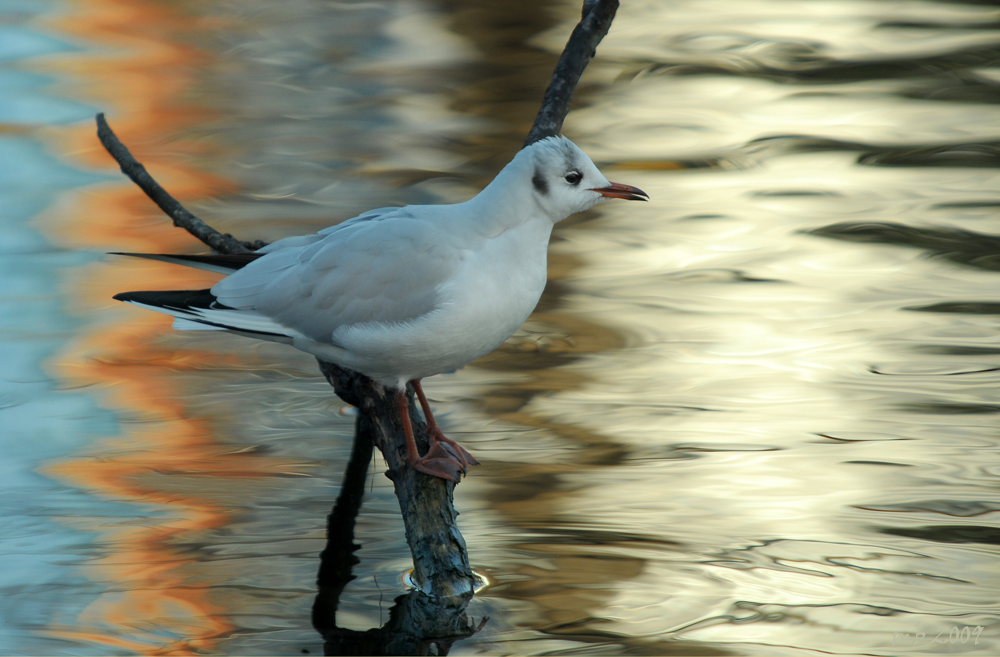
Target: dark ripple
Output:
[(948, 533), (964, 307), (955, 350), (955, 508), (965, 205), (938, 25), (793, 193), (980, 155), (964, 247), (804, 63), (568, 534), (955, 87), (944, 408), (975, 155), (963, 154)]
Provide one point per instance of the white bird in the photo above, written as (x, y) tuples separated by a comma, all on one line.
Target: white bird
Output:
[(404, 293)]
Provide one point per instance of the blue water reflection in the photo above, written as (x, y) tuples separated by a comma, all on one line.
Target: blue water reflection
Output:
[(39, 420)]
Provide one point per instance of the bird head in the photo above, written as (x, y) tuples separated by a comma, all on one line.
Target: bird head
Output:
[(564, 181)]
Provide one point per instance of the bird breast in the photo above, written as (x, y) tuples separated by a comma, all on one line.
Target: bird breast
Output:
[(497, 287), (493, 290)]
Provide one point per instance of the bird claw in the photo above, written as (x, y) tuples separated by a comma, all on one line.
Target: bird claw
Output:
[(445, 459), (441, 467), (456, 451)]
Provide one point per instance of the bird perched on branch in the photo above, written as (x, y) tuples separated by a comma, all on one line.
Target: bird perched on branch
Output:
[(399, 294)]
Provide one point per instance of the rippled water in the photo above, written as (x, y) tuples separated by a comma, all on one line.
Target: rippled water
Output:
[(757, 415)]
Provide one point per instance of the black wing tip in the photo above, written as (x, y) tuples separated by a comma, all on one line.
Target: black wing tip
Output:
[(141, 297), (231, 262), (176, 299), (133, 254)]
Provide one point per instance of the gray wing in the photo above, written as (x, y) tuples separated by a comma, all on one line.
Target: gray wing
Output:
[(383, 266)]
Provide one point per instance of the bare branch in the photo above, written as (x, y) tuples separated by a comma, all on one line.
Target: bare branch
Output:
[(581, 47), (440, 559), (219, 242)]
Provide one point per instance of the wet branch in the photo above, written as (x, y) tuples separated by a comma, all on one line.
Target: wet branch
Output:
[(416, 621), (581, 47), (440, 558)]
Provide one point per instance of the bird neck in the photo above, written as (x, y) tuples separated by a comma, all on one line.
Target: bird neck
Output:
[(509, 201)]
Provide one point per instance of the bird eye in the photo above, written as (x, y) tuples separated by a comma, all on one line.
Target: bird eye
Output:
[(574, 177)]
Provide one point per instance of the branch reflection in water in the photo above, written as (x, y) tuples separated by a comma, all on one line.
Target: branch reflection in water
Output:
[(416, 622)]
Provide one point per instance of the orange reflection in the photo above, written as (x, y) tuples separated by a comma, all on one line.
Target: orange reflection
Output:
[(140, 86), (154, 590), (155, 601)]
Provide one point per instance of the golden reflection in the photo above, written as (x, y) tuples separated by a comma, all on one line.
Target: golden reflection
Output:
[(744, 351)]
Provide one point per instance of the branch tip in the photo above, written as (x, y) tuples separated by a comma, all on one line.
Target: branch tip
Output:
[(181, 217)]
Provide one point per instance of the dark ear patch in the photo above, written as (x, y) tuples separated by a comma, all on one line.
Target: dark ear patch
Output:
[(541, 186)]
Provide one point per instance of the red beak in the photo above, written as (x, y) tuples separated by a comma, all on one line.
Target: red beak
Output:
[(618, 190)]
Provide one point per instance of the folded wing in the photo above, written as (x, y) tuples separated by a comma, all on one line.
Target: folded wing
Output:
[(382, 267)]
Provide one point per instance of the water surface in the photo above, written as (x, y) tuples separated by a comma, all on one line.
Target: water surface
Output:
[(757, 415)]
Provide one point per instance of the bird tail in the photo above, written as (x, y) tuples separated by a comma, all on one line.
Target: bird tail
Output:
[(199, 310)]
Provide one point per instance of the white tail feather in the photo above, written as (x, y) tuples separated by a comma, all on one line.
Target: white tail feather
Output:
[(181, 324)]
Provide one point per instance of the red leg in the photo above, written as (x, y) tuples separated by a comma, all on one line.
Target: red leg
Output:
[(404, 414), (436, 463), (434, 434)]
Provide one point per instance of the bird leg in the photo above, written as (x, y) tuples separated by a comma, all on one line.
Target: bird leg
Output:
[(434, 434), (437, 462)]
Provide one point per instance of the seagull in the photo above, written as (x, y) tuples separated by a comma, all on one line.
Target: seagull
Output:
[(402, 293)]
